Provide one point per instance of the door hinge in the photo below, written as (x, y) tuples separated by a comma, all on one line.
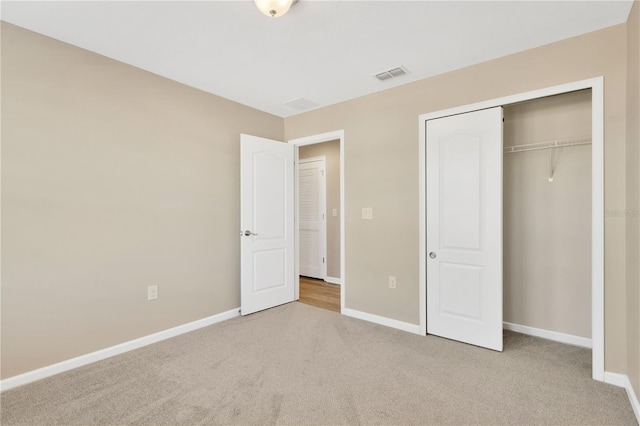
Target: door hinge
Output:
[(322, 171), (323, 260)]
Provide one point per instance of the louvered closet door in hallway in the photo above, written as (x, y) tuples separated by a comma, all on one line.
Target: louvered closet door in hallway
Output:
[(311, 196)]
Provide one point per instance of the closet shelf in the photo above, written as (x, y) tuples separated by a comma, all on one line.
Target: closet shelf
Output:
[(548, 144)]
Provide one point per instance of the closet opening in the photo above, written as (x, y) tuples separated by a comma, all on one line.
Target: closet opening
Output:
[(547, 219), (551, 232)]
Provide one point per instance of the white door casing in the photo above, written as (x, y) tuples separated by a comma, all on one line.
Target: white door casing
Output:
[(464, 227), (320, 138), (312, 217), (267, 223)]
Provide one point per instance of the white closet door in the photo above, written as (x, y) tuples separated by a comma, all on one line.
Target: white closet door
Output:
[(311, 196), (464, 228)]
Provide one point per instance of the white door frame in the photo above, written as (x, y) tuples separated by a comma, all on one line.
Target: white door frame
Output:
[(597, 201), (322, 242), (310, 140)]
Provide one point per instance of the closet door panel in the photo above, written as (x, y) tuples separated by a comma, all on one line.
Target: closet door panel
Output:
[(460, 181), (464, 228)]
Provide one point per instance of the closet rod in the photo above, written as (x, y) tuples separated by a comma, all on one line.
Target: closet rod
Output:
[(546, 145)]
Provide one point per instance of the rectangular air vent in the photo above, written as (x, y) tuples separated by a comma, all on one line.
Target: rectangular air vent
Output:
[(301, 104), (391, 73)]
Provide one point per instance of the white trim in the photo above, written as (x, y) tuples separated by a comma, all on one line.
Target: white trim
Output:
[(333, 280), (310, 140), (569, 339), (79, 361), (633, 399), (622, 380), (322, 205), (597, 199), (312, 159), (400, 325), (597, 227), (616, 379), (422, 223)]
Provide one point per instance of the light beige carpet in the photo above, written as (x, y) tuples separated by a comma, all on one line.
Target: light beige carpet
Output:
[(297, 364)]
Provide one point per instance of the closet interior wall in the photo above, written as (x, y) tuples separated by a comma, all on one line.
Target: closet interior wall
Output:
[(547, 224)]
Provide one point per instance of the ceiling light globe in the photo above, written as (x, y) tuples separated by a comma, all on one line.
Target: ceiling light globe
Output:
[(273, 8)]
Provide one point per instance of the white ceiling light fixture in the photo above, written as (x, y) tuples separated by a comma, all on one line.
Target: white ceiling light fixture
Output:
[(274, 8)]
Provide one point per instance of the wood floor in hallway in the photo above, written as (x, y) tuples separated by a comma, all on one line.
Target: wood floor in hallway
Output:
[(319, 293)]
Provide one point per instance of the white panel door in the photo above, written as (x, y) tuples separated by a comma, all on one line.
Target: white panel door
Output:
[(267, 222), (464, 227), (311, 203)]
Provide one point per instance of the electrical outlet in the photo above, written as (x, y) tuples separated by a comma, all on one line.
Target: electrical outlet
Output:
[(152, 292), (392, 281)]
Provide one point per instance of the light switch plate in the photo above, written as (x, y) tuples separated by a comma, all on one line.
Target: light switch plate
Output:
[(334, 212), (152, 292), (392, 281), (367, 213)]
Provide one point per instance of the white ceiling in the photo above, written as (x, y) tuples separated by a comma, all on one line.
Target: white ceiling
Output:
[(323, 51)]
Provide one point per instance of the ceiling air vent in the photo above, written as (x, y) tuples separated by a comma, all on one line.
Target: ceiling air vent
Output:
[(301, 104), (391, 73)]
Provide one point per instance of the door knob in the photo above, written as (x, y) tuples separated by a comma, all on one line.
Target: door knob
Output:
[(247, 233), (432, 255)]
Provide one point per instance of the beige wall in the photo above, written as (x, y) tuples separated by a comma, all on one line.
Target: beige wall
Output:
[(547, 225), (331, 150), (113, 179), (633, 197), (381, 168)]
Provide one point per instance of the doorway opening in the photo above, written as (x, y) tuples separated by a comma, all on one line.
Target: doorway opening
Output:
[(319, 220), (319, 293)]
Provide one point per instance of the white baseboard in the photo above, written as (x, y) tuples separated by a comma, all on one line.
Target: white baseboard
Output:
[(622, 380), (550, 335), (616, 379), (333, 280), (79, 361), (400, 325)]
